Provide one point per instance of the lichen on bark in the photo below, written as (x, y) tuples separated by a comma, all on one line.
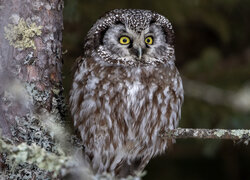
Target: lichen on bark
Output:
[(242, 135), (24, 153), (21, 35), (30, 83)]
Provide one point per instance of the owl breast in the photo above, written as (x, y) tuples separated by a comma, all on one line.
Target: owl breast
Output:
[(119, 112)]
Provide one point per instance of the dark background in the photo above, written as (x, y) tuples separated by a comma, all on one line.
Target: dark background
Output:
[(212, 47)]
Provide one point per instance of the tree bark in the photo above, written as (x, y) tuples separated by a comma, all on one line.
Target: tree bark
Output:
[(30, 77)]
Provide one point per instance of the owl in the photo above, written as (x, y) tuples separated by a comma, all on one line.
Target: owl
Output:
[(126, 90)]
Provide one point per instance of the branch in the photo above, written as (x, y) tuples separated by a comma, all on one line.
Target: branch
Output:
[(57, 163), (232, 134)]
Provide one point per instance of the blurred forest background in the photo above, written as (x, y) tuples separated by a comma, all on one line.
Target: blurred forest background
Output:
[(212, 50)]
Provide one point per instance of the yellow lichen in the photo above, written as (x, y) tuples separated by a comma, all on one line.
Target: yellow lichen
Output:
[(22, 35)]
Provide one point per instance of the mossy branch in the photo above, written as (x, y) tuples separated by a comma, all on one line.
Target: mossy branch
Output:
[(231, 134), (34, 154)]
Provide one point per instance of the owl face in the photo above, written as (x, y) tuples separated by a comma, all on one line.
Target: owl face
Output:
[(131, 37), (144, 46)]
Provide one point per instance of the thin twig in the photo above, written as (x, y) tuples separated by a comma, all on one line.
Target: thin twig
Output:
[(232, 134)]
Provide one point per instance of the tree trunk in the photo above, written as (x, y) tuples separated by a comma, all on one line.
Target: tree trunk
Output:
[(30, 78)]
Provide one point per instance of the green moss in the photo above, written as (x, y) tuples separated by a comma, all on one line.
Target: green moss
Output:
[(22, 35)]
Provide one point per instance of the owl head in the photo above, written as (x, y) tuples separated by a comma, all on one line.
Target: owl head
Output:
[(131, 37)]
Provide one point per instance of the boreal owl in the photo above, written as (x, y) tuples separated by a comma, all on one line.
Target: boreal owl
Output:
[(126, 90)]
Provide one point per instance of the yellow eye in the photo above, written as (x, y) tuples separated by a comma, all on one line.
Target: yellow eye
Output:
[(149, 40), (124, 40)]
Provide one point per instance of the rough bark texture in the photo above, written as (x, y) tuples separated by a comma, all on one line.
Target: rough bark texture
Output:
[(30, 78)]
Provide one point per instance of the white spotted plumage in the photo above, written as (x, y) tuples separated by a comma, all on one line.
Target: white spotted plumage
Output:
[(120, 102)]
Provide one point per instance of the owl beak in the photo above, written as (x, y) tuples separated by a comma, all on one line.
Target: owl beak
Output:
[(139, 52)]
